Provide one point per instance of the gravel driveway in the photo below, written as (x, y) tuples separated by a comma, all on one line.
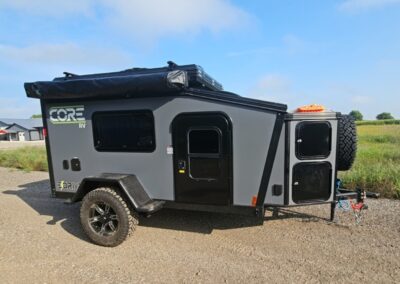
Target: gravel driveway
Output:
[(41, 241)]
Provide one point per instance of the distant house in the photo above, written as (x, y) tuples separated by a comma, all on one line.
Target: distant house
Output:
[(21, 129)]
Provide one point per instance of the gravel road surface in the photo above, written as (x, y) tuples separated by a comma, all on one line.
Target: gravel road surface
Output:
[(41, 241)]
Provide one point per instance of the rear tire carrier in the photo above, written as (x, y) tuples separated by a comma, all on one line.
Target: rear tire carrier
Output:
[(347, 142)]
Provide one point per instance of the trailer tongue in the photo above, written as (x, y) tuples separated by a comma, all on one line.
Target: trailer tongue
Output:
[(350, 200)]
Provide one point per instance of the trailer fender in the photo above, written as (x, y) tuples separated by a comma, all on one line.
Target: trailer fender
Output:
[(128, 185)]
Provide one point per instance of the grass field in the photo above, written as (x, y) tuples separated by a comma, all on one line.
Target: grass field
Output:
[(378, 122), (377, 166), (26, 158)]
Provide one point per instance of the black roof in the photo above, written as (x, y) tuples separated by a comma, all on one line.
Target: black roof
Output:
[(138, 82)]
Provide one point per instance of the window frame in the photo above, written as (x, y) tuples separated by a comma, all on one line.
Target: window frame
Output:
[(298, 153), (116, 112), (213, 128)]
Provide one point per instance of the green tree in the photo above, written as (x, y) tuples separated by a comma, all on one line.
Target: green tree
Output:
[(357, 115), (36, 116), (384, 115)]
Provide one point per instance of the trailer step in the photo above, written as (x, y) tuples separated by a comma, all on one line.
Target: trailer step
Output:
[(151, 207)]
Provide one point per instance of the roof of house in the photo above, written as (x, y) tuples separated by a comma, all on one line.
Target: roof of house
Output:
[(29, 123), (15, 128)]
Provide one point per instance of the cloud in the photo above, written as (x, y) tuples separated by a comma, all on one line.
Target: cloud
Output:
[(54, 8), (145, 21), (271, 87), (45, 61), (361, 5), (152, 19), (68, 54)]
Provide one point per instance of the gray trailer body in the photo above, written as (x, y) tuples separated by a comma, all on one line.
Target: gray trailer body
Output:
[(251, 137), (270, 156), (252, 131)]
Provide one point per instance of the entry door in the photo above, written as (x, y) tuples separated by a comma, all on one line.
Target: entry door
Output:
[(21, 136), (202, 158)]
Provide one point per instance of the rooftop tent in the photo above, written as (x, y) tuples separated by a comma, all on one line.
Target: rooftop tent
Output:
[(174, 80)]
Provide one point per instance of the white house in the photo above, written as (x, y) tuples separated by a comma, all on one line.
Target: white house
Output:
[(21, 129)]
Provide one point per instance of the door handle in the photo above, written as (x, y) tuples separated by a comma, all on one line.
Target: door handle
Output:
[(181, 166)]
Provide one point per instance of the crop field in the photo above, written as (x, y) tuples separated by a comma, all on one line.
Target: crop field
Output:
[(377, 166)]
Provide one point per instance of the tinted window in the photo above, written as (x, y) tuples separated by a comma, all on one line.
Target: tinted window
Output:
[(204, 141), (313, 140), (130, 131), (311, 182)]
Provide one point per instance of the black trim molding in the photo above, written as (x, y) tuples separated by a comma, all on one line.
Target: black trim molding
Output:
[(269, 163), (48, 151)]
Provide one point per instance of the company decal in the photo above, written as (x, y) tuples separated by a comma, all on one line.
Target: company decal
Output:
[(67, 186), (170, 150), (68, 115)]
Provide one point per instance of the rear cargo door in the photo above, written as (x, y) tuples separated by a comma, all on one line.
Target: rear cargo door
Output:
[(202, 158)]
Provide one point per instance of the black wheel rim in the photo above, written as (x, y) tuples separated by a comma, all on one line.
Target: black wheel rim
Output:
[(102, 219)]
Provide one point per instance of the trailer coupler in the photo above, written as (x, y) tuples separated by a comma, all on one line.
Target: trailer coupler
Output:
[(344, 200)]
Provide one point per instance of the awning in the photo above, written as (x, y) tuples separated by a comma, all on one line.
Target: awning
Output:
[(2, 132), (126, 85)]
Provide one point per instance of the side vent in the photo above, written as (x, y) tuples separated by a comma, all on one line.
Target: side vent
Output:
[(277, 189), (65, 164)]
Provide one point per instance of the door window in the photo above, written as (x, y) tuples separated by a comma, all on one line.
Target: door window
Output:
[(204, 141), (204, 153)]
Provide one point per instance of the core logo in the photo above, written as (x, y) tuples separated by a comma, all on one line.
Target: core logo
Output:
[(67, 186), (68, 115)]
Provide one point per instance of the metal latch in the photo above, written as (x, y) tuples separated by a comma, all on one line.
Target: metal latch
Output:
[(181, 166)]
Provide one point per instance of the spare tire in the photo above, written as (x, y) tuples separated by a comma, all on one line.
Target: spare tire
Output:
[(347, 142)]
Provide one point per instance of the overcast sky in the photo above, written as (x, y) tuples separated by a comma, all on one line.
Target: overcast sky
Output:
[(344, 54)]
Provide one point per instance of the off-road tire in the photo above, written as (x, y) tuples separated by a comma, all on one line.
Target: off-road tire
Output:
[(347, 142), (127, 218)]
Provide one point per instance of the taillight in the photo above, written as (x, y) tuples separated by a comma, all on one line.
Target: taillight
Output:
[(44, 131)]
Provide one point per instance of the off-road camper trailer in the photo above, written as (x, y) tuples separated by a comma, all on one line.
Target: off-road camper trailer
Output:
[(136, 141)]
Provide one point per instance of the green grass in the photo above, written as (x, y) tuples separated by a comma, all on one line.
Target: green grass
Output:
[(378, 122), (377, 166), (26, 158)]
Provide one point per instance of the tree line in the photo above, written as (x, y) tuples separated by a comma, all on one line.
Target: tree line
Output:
[(358, 115)]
